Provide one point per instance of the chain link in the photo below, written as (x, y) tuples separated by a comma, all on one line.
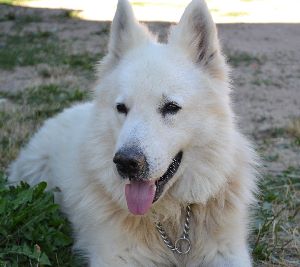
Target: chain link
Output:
[(184, 239)]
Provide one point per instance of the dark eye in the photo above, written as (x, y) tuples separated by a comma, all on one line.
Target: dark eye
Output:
[(170, 108), (121, 108)]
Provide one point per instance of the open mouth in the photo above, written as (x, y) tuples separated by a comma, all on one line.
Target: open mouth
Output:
[(163, 180), (141, 194)]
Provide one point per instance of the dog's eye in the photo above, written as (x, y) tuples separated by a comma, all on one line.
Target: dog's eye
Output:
[(170, 108), (121, 108)]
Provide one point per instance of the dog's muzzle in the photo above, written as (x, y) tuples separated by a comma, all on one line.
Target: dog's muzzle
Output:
[(141, 191)]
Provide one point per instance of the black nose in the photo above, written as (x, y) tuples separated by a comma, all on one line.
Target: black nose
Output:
[(131, 163)]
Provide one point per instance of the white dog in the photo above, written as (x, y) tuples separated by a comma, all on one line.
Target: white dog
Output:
[(154, 171)]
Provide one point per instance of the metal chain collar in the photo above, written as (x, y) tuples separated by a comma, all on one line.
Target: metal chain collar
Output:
[(182, 245)]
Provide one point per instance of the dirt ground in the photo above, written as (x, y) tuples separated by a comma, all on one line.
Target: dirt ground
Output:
[(265, 60)]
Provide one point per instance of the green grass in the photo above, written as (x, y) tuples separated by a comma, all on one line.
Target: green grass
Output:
[(276, 227), (290, 132), (50, 95), (21, 19), (276, 238), (33, 232), (271, 158), (242, 58), (34, 48), (266, 82), (83, 61), (27, 50)]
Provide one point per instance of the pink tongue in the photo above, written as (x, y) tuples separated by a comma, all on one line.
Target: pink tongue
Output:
[(139, 196)]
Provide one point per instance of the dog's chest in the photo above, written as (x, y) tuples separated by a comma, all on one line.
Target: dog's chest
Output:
[(145, 245)]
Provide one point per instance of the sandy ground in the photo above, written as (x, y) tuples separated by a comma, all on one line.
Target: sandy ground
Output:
[(267, 94)]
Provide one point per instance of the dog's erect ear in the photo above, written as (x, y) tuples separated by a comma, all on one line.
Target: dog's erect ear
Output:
[(196, 34), (126, 32)]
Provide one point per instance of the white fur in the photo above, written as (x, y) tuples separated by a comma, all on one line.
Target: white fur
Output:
[(74, 150)]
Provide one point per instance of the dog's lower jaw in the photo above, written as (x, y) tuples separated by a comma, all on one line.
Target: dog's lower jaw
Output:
[(163, 180)]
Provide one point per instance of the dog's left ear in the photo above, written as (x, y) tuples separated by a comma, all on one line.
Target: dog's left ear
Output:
[(126, 33), (196, 34)]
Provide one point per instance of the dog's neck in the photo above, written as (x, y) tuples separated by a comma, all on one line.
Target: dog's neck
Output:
[(168, 211)]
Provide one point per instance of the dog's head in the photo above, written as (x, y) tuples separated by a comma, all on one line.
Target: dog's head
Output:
[(163, 111)]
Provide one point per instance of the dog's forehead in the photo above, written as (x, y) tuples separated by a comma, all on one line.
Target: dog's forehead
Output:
[(155, 71)]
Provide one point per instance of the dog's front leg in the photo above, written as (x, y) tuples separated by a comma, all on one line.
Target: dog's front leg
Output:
[(120, 261), (96, 261), (240, 258), (99, 262)]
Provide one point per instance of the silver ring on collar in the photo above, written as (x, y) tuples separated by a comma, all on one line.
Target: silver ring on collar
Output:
[(181, 243)]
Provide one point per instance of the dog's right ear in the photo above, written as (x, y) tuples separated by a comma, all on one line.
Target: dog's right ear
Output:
[(126, 32), (196, 35)]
